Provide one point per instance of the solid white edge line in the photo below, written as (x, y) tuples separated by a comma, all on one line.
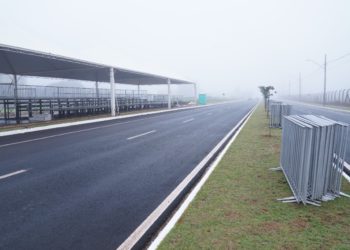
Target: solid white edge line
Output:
[(13, 173), (69, 124), (136, 235), (139, 135), (189, 120), (175, 218)]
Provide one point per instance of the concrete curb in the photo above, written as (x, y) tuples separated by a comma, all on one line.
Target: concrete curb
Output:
[(68, 124), (144, 227)]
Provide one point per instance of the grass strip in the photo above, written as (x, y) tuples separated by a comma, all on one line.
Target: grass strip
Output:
[(237, 207)]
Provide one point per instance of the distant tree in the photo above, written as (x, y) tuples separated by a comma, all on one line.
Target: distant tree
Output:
[(266, 91)]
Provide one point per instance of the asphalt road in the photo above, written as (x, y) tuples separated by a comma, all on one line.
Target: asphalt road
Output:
[(90, 186), (337, 115)]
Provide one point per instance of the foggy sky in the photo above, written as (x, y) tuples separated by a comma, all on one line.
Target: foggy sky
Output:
[(226, 47)]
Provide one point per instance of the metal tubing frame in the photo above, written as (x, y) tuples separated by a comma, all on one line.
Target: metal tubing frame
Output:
[(111, 77), (169, 93)]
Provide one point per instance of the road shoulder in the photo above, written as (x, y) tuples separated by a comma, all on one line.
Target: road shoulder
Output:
[(237, 207)]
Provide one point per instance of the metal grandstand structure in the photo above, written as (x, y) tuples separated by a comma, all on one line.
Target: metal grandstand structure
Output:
[(23, 99)]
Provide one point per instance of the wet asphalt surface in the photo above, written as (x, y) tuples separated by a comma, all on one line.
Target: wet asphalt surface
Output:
[(89, 186)]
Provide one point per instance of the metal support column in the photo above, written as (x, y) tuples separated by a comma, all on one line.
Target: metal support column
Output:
[(169, 94), (325, 81), (111, 79), (16, 98), (195, 94), (299, 86), (97, 91)]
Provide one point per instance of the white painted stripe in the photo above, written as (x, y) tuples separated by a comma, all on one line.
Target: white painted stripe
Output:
[(189, 120), (82, 130), (175, 218), (148, 222), (12, 174), (136, 136), (69, 124), (69, 133)]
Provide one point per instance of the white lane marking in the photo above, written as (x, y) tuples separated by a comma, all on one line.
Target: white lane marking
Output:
[(189, 120), (23, 131), (69, 133), (136, 136), (69, 124), (12, 174), (78, 131), (209, 113), (135, 236), (177, 215)]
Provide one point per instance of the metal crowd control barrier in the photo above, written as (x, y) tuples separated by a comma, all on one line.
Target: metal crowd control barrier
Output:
[(276, 112), (312, 157)]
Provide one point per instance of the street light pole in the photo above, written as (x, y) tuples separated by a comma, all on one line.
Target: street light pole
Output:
[(325, 80), (299, 86)]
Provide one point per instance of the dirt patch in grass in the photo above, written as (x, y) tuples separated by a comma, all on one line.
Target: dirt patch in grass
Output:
[(237, 207)]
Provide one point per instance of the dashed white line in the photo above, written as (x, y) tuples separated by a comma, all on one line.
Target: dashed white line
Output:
[(69, 133), (135, 236), (12, 174), (136, 136), (189, 120)]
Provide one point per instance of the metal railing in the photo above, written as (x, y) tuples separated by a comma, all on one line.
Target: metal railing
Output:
[(312, 157), (36, 91), (276, 111), (337, 97), (71, 101)]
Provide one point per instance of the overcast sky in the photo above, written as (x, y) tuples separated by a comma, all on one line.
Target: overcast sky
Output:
[(226, 47)]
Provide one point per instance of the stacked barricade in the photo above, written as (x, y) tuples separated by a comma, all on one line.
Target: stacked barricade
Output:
[(276, 112), (312, 157)]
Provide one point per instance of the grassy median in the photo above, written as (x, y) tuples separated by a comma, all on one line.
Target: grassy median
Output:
[(237, 206)]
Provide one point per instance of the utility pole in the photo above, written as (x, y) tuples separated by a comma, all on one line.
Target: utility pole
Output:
[(325, 80), (289, 89), (299, 86)]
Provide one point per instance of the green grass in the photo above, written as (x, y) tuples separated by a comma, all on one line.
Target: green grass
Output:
[(237, 206)]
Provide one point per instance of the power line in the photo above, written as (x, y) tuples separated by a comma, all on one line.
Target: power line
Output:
[(339, 58)]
